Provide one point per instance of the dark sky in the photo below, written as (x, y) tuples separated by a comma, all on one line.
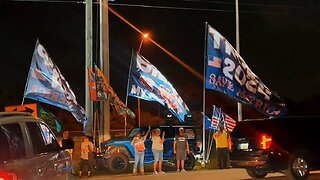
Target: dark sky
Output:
[(279, 41)]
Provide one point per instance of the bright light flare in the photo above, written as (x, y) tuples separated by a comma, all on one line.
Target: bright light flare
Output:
[(145, 36), (178, 60)]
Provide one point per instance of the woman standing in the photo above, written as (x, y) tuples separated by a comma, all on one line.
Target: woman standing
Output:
[(157, 150), (139, 148)]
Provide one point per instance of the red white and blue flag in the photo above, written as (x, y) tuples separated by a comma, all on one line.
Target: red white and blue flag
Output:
[(219, 118), (46, 84), (228, 73), (147, 82)]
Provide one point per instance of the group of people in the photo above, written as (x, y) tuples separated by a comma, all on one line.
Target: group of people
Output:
[(180, 146)]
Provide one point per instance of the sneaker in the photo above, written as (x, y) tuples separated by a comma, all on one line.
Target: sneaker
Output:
[(183, 171), (155, 173), (162, 172), (178, 170)]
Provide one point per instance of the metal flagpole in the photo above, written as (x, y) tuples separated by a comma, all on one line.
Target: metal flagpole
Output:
[(125, 119), (239, 105), (210, 136), (204, 94)]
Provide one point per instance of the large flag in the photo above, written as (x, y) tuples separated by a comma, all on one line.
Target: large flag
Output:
[(100, 90), (146, 82), (227, 72), (46, 84)]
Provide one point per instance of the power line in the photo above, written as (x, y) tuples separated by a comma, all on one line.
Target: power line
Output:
[(250, 4), (193, 9), (185, 8), (49, 1)]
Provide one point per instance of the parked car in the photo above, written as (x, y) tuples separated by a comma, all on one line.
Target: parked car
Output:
[(118, 153), (289, 145), (29, 150)]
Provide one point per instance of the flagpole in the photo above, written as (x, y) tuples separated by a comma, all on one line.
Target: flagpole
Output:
[(210, 137), (239, 105), (125, 119), (28, 77), (204, 93)]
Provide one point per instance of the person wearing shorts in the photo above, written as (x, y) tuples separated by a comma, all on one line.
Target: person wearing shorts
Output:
[(157, 150), (181, 148)]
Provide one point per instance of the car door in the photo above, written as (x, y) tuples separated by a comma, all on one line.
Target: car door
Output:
[(52, 162)]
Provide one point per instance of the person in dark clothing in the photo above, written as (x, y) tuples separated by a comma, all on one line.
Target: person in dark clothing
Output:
[(181, 148)]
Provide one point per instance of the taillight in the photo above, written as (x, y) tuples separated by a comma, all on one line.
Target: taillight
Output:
[(230, 143), (265, 142), (8, 176)]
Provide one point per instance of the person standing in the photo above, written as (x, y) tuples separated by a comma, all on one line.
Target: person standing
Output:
[(222, 146), (69, 143), (181, 148), (157, 150), (139, 148), (86, 150)]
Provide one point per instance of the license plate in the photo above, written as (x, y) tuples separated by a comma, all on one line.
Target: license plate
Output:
[(243, 146)]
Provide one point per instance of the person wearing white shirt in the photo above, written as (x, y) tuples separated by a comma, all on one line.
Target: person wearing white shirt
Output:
[(157, 150)]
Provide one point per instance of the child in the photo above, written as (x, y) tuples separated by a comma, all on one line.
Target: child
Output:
[(139, 147)]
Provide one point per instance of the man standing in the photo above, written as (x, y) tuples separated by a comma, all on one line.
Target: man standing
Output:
[(68, 144), (86, 151), (222, 144), (181, 148)]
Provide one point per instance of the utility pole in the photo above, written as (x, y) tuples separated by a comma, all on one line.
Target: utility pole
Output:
[(104, 61), (88, 63), (239, 105)]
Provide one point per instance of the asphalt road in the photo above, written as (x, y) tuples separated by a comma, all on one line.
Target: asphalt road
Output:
[(227, 174)]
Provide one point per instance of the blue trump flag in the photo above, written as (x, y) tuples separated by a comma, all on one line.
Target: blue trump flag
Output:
[(227, 72), (146, 82), (46, 84), (209, 124)]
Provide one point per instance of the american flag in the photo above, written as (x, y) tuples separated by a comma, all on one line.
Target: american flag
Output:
[(219, 117), (229, 123), (215, 62), (216, 116)]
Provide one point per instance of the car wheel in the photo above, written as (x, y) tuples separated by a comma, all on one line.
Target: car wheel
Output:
[(118, 163), (190, 162), (298, 168), (257, 172)]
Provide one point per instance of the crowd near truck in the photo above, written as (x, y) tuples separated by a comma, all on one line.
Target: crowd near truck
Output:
[(118, 153)]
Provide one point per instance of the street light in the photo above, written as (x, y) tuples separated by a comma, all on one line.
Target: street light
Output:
[(145, 36)]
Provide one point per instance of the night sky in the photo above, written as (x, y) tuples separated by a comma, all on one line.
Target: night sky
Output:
[(279, 41)]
